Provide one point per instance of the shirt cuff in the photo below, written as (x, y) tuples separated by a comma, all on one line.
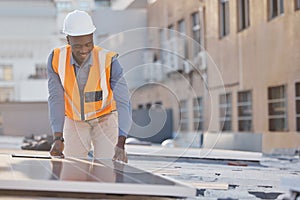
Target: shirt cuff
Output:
[(122, 133)]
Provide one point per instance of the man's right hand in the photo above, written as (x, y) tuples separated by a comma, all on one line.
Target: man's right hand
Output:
[(57, 149)]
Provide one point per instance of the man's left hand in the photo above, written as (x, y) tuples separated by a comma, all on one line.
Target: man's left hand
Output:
[(120, 155)]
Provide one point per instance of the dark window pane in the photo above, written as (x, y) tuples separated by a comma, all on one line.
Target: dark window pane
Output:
[(277, 108), (298, 106), (245, 125), (195, 17), (245, 111), (225, 99), (298, 123), (297, 4), (281, 2), (244, 96), (274, 8), (276, 92), (277, 124), (298, 88), (198, 126), (225, 125), (224, 18)]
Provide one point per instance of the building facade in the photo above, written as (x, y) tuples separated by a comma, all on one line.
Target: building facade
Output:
[(242, 78), (32, 29)]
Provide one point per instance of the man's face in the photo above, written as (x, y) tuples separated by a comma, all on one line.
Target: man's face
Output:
[(81, 46)]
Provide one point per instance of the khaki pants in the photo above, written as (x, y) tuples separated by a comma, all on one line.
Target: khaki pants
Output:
[(101, 133)]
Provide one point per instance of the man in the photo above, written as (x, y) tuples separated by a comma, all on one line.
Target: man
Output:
[(88, 96)]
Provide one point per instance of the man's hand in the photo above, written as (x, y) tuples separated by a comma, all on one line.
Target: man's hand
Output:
[(120, 153), (57, 149)]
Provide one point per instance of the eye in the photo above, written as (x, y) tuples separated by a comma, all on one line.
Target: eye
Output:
[(76, 46), (90, 44)]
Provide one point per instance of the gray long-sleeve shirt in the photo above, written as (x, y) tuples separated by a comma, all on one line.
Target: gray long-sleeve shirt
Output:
[(56, 93)]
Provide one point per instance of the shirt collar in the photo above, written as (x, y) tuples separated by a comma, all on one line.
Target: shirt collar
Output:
[(88, 62)]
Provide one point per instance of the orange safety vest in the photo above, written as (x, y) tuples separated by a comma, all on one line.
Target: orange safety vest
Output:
[(98, 96)]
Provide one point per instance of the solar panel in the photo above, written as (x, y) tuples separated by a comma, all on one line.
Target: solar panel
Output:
[(72, 175)]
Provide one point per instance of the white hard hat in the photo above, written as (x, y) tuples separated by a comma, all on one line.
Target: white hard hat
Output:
[(78, 23)]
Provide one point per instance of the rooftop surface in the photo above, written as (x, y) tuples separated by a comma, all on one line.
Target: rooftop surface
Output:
[(217, 174)]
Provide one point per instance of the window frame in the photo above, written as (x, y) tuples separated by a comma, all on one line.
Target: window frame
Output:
[(297, 5), (181, 28), (224, 18), (196, 29), (297, 100), (282, 100), (272, 13), (162, 39), (184, 115), (198, 108), (171, 29), (1, 122), (227, 108), (6, 72), (243, 14), (245, 104)]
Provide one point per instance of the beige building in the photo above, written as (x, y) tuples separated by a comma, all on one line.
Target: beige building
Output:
[(243, 78)]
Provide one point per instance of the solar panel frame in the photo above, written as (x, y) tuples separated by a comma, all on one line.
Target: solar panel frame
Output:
[(22, 174)]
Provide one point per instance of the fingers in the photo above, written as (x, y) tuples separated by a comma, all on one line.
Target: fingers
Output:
[(120, 155), (57, 154), (57, 150)]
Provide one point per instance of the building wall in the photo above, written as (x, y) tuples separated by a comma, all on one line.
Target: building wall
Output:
[(123, 31), (27, 37), (24, 119), (265, 54), (175, 85)]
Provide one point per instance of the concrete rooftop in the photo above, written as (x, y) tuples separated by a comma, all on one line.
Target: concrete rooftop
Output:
[(217, 174)]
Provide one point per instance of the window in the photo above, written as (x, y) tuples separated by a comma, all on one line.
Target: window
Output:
[(171, 31), (277, 108), (276, 7), (224, 17), (198, 113), (243, 14), (245, 111), (184, 118), (102, 3), (1, 124), (162, 39), (64, 5), (225, 112), (40, 72), (6, 94), (298, 106), (297, 4), (181, 29), (196, 33), (6, 72)]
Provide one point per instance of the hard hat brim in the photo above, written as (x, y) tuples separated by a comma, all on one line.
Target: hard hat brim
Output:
[(80, 34)]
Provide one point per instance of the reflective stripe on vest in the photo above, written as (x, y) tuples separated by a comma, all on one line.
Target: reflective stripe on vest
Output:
[(97, 95)]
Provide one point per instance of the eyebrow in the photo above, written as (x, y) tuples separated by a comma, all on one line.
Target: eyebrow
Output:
[(84, 44)]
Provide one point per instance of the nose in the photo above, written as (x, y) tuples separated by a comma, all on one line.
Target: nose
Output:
[(84, 49)]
